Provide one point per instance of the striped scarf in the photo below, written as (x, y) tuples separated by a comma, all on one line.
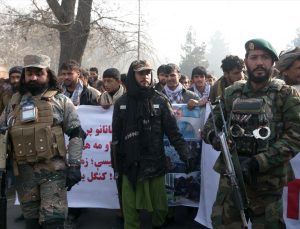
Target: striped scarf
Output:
[(176, 95), (205, 94), (75, 97)]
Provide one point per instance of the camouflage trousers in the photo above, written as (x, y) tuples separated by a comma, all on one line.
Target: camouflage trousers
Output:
[(42, 193), (265, 210)]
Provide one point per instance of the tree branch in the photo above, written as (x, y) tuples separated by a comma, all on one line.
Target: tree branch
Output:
[(57, 10)]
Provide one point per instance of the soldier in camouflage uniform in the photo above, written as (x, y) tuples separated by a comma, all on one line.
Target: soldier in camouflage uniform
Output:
[(263, 120), (37, 117)]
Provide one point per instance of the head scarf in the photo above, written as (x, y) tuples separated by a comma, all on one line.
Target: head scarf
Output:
[(137, 138)]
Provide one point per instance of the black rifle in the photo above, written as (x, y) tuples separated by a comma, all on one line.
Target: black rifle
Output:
[(3, 199), (233, 170)]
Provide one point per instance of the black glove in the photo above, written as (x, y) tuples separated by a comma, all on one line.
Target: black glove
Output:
[(250, 168), (73, 176)]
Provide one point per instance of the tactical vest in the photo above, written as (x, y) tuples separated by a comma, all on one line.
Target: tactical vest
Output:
[(38, 140), (255, 122)]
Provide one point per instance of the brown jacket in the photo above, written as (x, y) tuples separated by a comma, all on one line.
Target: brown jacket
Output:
[(218, 89), (5, 94)]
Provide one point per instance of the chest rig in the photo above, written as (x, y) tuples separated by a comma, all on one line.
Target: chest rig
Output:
[(37, 140), (255, 122)]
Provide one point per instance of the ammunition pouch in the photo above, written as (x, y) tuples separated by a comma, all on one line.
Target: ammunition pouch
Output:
[(37, 143), (40, 139), (250, 125)]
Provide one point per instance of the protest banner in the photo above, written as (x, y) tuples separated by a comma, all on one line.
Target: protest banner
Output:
[(98, 189)]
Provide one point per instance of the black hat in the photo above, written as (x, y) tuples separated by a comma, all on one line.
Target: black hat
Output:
[(112, 73), (15, 69)]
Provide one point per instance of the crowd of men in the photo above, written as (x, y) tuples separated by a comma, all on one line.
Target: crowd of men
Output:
[(38, 108)]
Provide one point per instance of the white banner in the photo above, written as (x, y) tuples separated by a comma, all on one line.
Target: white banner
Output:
[(97, 188)]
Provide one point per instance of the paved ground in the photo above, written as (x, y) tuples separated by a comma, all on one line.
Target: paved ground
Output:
[(106, 219)]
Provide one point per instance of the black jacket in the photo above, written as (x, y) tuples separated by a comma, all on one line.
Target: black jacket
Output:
[(163, 122), (88, 97)]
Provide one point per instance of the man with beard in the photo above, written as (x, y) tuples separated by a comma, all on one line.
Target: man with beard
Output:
[(38, 116), (10, 86), (161, 75), (233, 68), (289, 67), (141, 118), (73, 87), (93, 77), (262, 116)]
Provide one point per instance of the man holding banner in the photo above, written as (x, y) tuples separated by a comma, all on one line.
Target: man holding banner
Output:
[(262, 118), (141, 118)]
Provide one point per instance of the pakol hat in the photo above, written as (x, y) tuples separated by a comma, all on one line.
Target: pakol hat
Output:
[(261, 44), (287, 58), (37, 61)]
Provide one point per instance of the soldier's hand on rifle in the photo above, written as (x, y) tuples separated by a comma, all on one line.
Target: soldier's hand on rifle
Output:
[(215, 141), (250, 168), (73, 176)]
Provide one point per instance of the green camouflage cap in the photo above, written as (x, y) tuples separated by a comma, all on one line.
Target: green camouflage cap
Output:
[(141, 65), (37, 61), (287, 58), (261, 44)]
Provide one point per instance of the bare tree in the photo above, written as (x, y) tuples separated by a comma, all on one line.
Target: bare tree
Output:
[(75, 22)]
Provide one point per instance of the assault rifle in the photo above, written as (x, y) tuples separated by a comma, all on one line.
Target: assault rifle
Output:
[(233, 170), (3, 156)]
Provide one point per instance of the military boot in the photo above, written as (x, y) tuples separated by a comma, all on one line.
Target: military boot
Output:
[(32, 224)]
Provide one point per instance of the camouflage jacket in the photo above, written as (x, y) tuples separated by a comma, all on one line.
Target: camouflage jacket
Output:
[(285, 108), (64, 115), (218, 89)]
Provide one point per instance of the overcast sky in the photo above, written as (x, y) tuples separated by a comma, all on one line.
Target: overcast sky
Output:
[(167, 22), (238, 21)]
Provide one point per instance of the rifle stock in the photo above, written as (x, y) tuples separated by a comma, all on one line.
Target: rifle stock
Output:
[(237, 194)]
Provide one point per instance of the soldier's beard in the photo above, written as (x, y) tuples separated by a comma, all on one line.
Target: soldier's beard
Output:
[(259, 79), (36, 88), (15, 87)]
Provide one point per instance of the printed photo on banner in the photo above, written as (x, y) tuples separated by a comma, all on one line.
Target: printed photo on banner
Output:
[(182, 188)]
